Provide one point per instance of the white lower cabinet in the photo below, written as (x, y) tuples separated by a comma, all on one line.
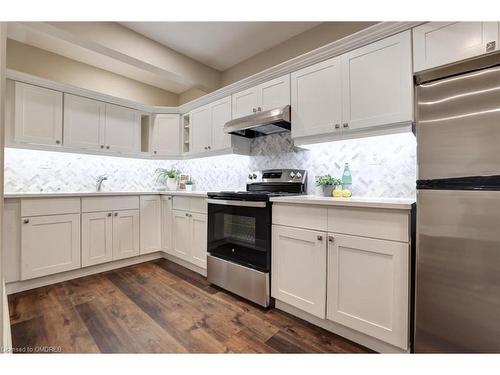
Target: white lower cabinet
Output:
[(97, 238), (166, 224), (150, 223), (299, 268), (125, 234), (190, 237), (49, 244), (368, 286)]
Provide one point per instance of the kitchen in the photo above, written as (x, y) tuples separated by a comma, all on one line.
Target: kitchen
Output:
[(292, 194)]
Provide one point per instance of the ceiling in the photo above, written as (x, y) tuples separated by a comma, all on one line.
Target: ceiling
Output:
[(219, 45)]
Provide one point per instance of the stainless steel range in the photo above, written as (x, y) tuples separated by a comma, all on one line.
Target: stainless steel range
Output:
[(239, 232)]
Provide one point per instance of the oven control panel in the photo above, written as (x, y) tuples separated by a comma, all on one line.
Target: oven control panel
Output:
[(278, 175)]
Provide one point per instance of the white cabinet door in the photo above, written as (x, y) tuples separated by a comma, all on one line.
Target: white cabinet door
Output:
[(150, 222), (299, 268), (221, 113), (201, 129), (166, 223), (97, 238), (49, 244), (440, 43), (198, 238), (274, 93), (368, 286), (166, 135), (182, 235), (123, 130), (377, 83), (316, 99), (83, 123), (125, 234), (245, 103), (38, 115)]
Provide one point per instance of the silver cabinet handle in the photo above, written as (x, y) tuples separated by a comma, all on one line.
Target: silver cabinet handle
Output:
[(58, 142), (337, 126), (345, 125), (490, 46), (116, 213), (319, 237), (330, 238), (109, 214), (26, 221)]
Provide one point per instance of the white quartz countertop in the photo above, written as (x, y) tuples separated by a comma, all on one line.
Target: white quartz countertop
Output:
[(390, 203), (43, 194)]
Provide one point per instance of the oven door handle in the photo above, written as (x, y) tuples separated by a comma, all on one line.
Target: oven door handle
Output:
[(226, 202)]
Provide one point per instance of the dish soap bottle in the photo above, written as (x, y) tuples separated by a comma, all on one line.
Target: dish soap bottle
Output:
[(346, 182)]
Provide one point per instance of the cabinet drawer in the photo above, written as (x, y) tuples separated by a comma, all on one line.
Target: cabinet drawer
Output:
[(94, 204), (375, 223), (300, 216), (49, 206), (190, 204)]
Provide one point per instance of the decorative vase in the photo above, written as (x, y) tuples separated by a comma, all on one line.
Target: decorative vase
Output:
[(189, 187), (171, 184), (327, 190)]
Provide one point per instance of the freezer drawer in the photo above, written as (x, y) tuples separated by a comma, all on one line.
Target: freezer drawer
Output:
[(458, 271), (458, 126)]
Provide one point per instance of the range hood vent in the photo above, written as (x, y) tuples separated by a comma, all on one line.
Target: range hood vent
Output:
[(261, 123)]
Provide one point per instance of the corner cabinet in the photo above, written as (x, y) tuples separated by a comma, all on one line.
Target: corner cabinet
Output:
[(123, 130), (37, 115), (299, 268), (440, 43), (166, 135), (368, 88)]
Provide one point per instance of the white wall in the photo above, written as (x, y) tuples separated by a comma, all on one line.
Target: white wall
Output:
[(381, 167)]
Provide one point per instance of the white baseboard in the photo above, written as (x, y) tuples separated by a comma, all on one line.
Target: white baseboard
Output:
[(348, 333), (20, 286)]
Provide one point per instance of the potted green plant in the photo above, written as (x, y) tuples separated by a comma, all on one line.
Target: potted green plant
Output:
[(327, 183), (168, 176), (189, 185)]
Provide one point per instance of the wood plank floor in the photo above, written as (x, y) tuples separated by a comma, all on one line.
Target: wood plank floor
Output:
[(157, 307)]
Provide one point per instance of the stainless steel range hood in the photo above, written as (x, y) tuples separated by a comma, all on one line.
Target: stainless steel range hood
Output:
[(260, 123)]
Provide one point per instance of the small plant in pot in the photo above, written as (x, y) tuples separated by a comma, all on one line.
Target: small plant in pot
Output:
[(189, 185), (327, 183), (168, 176)]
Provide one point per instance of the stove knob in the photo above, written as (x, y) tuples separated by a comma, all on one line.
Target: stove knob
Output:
[(254, 176), (250, 176), (292, 175), (298, 175)]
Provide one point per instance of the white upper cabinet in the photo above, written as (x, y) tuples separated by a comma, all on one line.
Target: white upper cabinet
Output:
[(150, 223), (221, 113), (166, 140), (299, 268), (123, 130), (316, 99), (84, 122), (38, 115), (377, 83), (440, 43), (368, 286), (268, 95), (201, 129)]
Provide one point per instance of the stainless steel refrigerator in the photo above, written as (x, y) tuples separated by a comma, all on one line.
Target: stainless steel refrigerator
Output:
[(457, 296)]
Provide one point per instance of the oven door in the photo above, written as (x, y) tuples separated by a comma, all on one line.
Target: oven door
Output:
[(240, 232)]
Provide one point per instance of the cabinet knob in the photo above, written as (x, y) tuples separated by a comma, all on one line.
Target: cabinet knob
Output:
[(345, 125), (116, 213), (337, 126), (209, 147), (254, 110), (109, 214), (154, 152), (490, 46), (320, 238), (107, 147), (26, 221), (102, 146), (205, 147), (169, 198), (58, 142), (330, 238), (187, 215), (259, 109)]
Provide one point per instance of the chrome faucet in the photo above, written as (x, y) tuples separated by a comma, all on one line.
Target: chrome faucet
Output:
[(99, 181)]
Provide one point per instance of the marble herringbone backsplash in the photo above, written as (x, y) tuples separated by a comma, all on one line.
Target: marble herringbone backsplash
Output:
[(382, 166)]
